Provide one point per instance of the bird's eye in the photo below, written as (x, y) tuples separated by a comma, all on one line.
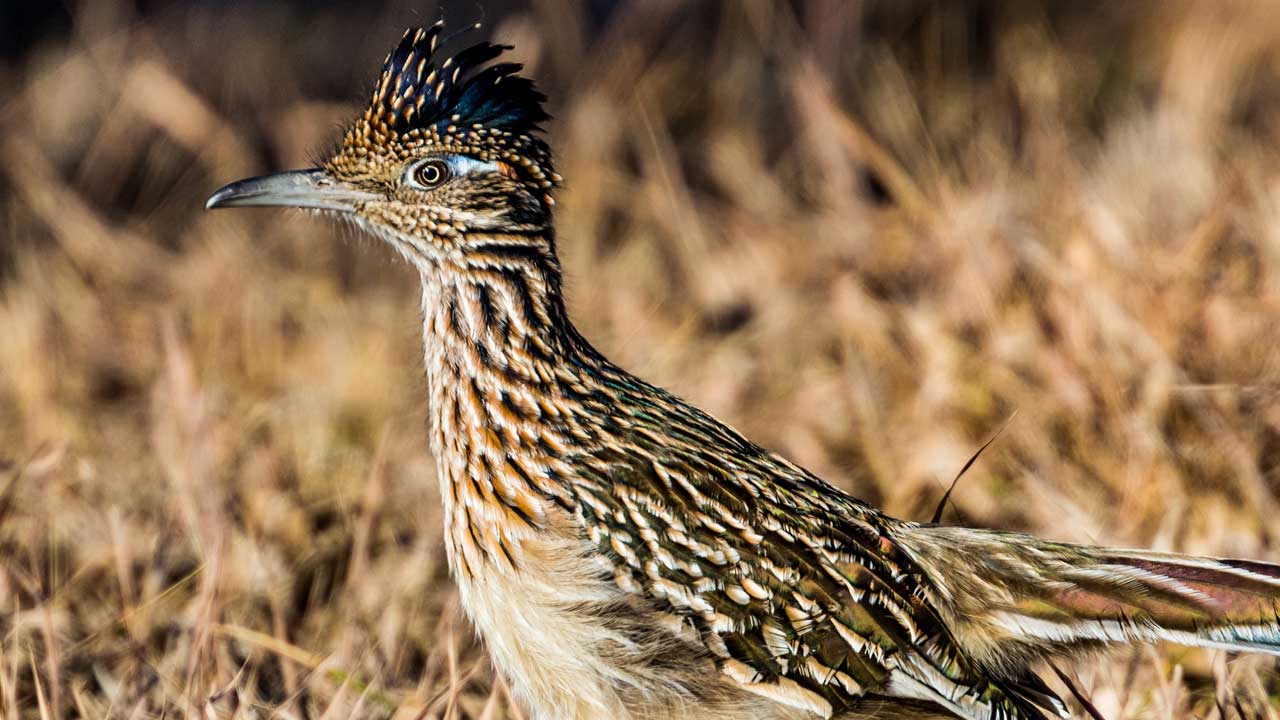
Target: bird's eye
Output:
[(431, 173)]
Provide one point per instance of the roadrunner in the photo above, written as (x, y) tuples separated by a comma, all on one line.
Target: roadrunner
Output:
[(624, 554)]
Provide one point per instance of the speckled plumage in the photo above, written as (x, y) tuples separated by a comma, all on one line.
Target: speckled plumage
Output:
[(624, 554)]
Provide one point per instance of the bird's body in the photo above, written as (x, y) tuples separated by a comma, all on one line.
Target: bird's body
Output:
[(625, 555), (552, 558)]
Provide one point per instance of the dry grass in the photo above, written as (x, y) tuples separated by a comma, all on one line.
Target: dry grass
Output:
[(864, 235)]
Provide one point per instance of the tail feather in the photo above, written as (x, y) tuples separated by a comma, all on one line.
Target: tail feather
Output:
[(1125, 595), (1014, 599)]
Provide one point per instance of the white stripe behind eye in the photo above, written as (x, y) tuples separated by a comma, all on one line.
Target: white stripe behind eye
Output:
[(463, 165), (459, 166)]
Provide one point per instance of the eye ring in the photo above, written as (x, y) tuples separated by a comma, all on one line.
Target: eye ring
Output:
[(431, 174)]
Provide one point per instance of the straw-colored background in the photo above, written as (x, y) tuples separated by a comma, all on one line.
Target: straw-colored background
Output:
[(865, 234)]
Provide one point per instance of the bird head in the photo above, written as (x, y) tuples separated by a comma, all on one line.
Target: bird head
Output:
[(447, 156)]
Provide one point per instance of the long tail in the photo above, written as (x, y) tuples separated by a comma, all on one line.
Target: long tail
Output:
[(1014, 599)]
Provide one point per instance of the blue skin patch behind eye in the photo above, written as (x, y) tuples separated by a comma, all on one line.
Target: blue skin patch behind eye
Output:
[(459, 165), (463, 165)]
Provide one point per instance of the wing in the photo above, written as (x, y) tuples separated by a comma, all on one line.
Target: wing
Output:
[(799, 590)]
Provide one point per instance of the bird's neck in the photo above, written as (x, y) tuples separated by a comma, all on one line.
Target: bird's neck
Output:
[(502, 364)]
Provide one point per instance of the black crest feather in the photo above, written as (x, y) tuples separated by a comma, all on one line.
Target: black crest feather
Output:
[(422, 87)]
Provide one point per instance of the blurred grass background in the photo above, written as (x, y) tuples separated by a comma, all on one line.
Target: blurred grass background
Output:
[(863, 232)]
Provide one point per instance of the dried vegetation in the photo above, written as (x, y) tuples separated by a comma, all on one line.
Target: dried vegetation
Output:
[(864, 233)]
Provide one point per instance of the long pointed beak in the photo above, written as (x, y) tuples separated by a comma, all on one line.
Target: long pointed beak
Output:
[(312, 188)]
